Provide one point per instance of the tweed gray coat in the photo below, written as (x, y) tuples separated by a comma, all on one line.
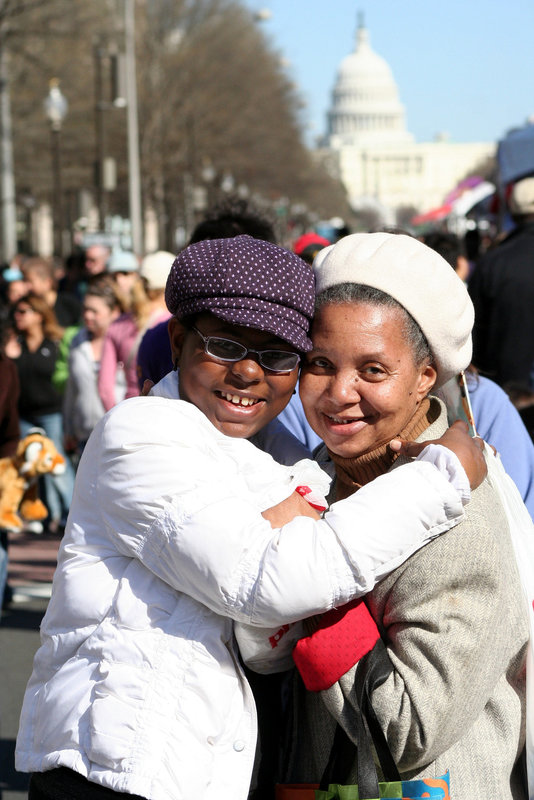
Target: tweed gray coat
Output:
[(454, 621)]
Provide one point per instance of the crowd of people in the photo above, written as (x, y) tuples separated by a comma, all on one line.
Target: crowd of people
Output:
[(279, 540)]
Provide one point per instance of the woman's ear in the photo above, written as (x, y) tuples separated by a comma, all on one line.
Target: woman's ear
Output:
[(427, 379), (177, 333)]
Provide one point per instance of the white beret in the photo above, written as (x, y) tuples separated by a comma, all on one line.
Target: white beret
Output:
[(416, 277)]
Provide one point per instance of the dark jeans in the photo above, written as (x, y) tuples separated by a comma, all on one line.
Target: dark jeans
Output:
[(65, 784)]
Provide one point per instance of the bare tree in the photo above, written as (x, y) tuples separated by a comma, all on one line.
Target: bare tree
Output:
[(212, 92)]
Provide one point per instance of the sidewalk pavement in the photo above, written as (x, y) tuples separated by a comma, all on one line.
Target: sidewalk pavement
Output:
[(32, 561)]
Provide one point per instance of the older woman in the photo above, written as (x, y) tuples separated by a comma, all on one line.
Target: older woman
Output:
[(392, 322)]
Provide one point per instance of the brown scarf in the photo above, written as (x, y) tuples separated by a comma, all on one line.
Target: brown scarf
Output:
[(353, 473)]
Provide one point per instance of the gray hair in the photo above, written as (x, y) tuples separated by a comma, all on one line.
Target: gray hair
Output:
[(360, 293)]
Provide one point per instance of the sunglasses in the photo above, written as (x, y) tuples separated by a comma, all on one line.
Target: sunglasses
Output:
[(228, 350)]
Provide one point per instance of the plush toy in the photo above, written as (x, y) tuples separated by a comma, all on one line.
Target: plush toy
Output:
[(36, 455)]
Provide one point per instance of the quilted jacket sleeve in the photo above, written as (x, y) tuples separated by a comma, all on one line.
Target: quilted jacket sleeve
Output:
[(166, 493)]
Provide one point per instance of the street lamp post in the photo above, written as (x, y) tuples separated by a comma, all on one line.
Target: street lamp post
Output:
[(56, 108), (8, 212), (133, 128)]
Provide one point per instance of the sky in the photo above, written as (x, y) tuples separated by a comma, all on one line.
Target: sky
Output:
[(462, 67)]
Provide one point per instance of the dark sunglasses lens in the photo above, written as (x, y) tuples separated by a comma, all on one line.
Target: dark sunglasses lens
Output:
[(225, 349), (279, 360)]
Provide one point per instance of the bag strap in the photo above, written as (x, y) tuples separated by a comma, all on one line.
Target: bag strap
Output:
[(343, 754), (376, 668), (373, 670)]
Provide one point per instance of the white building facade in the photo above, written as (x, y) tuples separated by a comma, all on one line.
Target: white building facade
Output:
[(381, 165)]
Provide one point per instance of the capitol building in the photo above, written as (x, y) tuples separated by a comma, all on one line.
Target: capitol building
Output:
[(382, 167)]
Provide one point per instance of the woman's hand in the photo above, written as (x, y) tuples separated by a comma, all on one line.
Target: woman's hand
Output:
[(468, 449), (284, 512)]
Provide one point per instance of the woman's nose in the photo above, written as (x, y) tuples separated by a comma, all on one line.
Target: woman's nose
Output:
[(344, 387)]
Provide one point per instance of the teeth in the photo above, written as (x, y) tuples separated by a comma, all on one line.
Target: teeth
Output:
[(237, 400), (338, 421)]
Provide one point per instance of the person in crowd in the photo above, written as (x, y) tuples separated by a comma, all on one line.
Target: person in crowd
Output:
[(500, 423), (9, 434), (82, 406), (73, 280), (9, 396), (450, 247), (35, 353), (41, 276), (496, 417), (41, 280), (308, 245), (141, 293), (155, 268), (117, 380), (231, 217), (502, 291), (293, 417), (137, 689), (81, 266), (96, 259), (123, 267), (13, 284), (447, 631), (522, 398)]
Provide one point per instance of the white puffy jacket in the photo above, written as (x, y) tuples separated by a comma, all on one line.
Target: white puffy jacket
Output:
[(137, 684)]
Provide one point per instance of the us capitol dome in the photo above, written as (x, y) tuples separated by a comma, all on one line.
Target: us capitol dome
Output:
[(365, 100), (383, 168)]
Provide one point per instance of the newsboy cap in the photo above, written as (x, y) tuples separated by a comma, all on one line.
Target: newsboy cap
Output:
[(245, 281)]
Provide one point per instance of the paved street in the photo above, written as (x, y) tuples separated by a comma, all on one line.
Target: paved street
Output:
[(32, 561)]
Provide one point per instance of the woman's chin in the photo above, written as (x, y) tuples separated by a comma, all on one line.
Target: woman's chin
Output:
[(348, 447)]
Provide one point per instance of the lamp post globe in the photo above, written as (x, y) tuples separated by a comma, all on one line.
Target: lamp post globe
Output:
[(56, 106)]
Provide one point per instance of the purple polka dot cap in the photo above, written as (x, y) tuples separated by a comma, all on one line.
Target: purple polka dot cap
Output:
[(245, 281)]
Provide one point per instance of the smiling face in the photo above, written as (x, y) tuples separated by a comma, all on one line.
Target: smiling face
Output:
[(240, 397), (360, 385)]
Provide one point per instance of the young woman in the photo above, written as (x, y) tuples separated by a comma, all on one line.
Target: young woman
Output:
[(82, 406), (138, 688), (35, 352), (141, 292)]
